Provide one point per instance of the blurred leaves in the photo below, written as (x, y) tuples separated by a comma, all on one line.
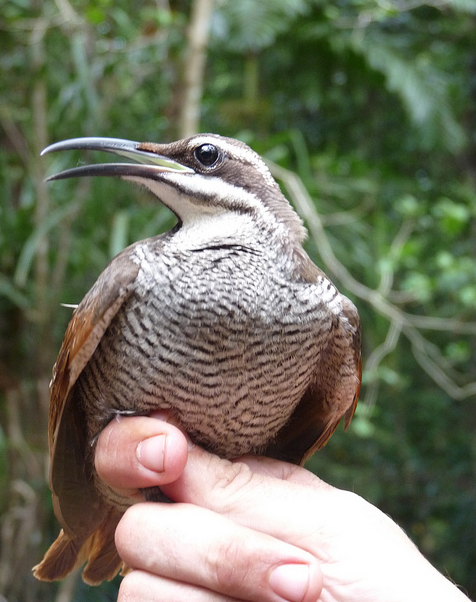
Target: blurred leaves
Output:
[(248, 26), (423, 89)]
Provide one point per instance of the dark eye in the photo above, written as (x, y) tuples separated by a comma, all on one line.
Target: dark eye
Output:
[(207, 154)]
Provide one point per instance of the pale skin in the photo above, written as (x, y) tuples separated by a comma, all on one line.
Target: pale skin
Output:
[(254, 529)]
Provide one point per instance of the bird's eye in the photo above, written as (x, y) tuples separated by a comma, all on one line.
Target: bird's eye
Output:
[(207, 154)]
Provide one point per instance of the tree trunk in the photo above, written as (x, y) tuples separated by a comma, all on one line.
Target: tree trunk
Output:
[(194, 67)]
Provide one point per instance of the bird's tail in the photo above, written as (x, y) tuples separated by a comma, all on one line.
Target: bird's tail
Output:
[(97, 549)]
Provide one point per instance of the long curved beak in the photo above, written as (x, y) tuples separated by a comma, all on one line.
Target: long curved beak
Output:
[(146, 163)]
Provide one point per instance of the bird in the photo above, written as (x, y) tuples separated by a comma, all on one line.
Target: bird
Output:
[(223, 321)]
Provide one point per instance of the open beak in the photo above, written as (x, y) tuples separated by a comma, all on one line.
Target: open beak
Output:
[(146, 163)]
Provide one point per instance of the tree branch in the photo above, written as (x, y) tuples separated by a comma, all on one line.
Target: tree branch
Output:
[(426, 354)]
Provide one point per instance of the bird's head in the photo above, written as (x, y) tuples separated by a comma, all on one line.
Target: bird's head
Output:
[(204, 176)]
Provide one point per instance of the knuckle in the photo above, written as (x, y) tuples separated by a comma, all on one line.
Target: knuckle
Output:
[(229, 567), (233, 479)]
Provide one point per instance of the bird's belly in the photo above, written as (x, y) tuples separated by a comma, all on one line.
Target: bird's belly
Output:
[(232, 379)]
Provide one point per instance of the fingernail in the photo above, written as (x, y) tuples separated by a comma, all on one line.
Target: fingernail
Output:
[(290, 581), (151, 453)]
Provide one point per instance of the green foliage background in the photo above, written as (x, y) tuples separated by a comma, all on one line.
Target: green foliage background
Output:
[(372, 107)]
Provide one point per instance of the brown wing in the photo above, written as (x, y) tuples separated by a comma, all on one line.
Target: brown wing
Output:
[(331, 396), (82, 514), (85, 330)]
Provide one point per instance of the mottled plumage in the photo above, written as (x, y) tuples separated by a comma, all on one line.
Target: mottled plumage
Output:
[(224, 321)]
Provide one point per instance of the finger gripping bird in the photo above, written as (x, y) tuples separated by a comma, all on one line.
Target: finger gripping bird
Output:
[(223, 321)]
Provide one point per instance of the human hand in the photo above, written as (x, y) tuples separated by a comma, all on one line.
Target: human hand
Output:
[(256, 530)]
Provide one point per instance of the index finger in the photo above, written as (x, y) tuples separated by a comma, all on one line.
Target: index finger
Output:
[(267, 495)]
